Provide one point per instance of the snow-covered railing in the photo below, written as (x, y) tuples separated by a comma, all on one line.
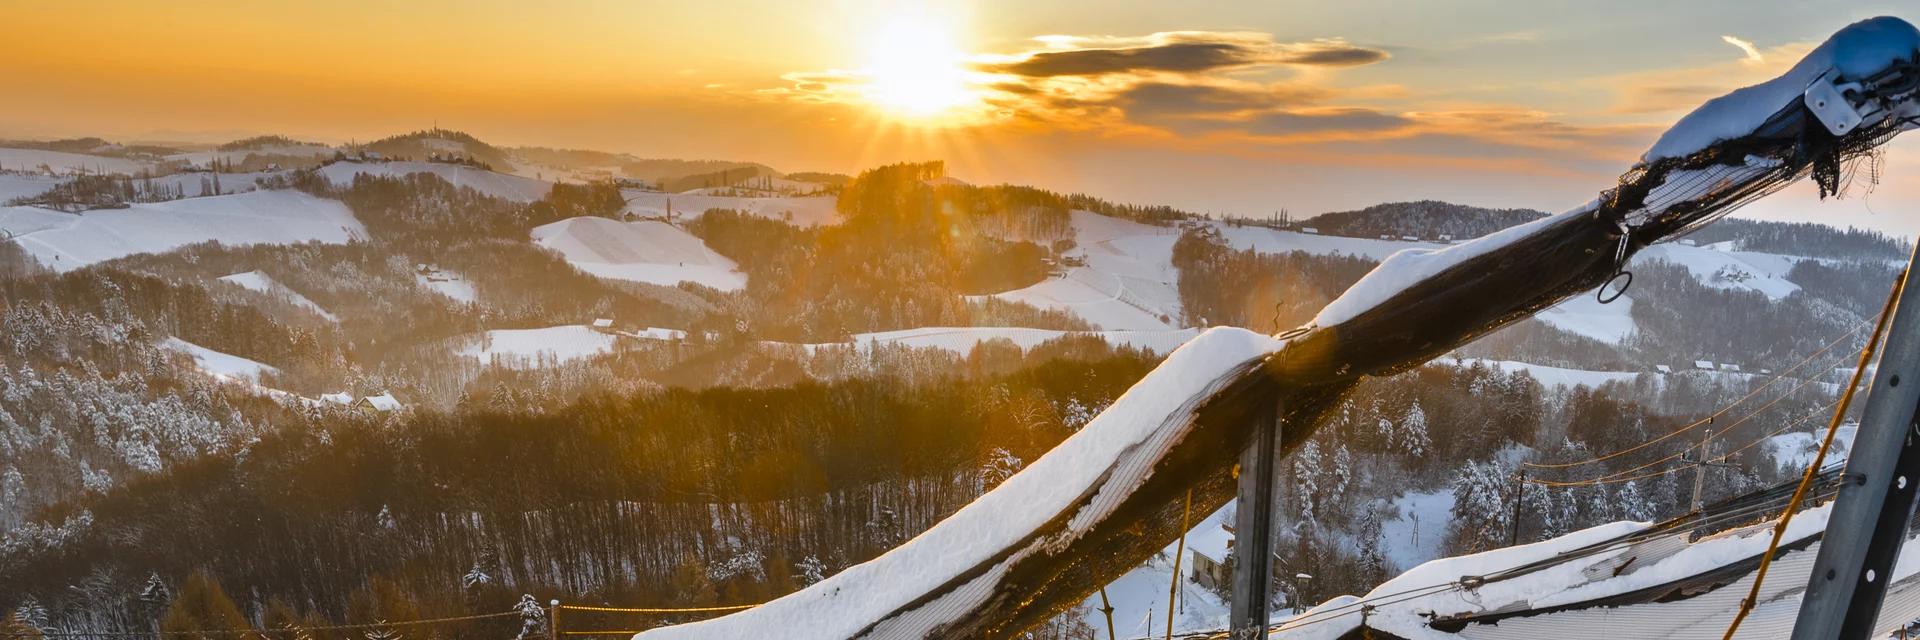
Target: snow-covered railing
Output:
[(1112, 494)]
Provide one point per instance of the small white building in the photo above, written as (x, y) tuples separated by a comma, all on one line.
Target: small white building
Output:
[(383, 403), (1309, 230), (1662, 368), (603, 325), (1730, 367), (1409, 239), (1702, 364)]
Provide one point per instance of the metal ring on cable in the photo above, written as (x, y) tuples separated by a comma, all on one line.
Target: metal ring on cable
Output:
[(1601, 293)]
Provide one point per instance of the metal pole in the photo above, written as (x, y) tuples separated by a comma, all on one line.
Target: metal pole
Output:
[(1700, 470), (1519, 497), (1253, 530), (1870, 514)]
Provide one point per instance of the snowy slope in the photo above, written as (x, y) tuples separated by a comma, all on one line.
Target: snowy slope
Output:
[(963, 339), (498, 185), (66, 163), (1129, 282), (261, 282), (1139, 598), (1417, 536), (65, 241), (804, 211), (1550, 376), (1266, 240), (202, 158), (647, 251), (1794, 451), (1584, 315), (25, 185), (220, 365), (527, 347), (1762, 272)]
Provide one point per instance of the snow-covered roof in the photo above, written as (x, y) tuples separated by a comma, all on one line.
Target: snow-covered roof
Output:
[(1309, 230), (1703, 364), (602, 323), (1662, 368), (342, 398), (383, 402), (1729, 367)]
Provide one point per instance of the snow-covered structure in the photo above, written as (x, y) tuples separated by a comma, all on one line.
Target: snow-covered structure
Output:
[(1683, 578), (381, 403), (1112, 494)]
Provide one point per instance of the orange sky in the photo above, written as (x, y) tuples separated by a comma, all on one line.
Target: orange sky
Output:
[(1231, 106)]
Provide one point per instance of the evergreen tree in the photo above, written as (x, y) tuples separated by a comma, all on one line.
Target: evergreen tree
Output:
[(202, 607)]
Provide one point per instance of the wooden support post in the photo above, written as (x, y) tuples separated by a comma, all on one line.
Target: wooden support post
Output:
[(1253, 529)]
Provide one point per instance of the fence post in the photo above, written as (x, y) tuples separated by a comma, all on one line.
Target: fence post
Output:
[(553, 621)]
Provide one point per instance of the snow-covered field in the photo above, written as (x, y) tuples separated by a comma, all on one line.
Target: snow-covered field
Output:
[(1129, 282), (530, 347), (1139, 598), (65, 242), (1722, 269), (1417, 535), (498, 185), (804, 212), (1551, 376), (220, 365), (202, 158), (963, 339), (647, 251), (1584, 315), (1794, 451), (25, 185), (65, 163), (263, 283)]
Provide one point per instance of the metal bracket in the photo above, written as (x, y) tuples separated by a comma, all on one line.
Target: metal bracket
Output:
[(1830, 105)]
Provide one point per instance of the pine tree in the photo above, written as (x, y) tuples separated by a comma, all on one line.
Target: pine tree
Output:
[(203, 606), (811, 570), (1412, 433), (1373, 559)]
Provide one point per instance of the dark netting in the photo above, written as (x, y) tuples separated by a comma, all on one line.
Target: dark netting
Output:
[(1654, 201), (1059, 565)]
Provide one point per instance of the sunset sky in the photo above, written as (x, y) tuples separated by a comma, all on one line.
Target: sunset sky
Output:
[(1225, 106)]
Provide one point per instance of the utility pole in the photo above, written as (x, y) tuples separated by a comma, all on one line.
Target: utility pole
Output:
[(1519, 498), (1699, 469), (1253, 529), (1876, 497)]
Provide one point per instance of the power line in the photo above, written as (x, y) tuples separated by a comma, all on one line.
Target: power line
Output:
[(1715, 414), (336, 627)]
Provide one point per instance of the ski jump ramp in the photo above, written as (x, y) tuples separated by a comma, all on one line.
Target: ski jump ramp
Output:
[(1110, 496)]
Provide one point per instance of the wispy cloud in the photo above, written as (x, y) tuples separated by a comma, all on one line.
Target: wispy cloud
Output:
[(1753, 54)]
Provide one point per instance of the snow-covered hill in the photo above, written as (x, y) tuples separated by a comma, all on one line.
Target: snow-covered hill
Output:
[(963, 339), (62, 163), (498, 185), (263, 283), (648, 251), (527, 347), (803, 211), (64, 241), (1128, 283)]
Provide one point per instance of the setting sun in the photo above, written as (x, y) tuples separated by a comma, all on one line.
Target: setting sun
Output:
[(916, 70)]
